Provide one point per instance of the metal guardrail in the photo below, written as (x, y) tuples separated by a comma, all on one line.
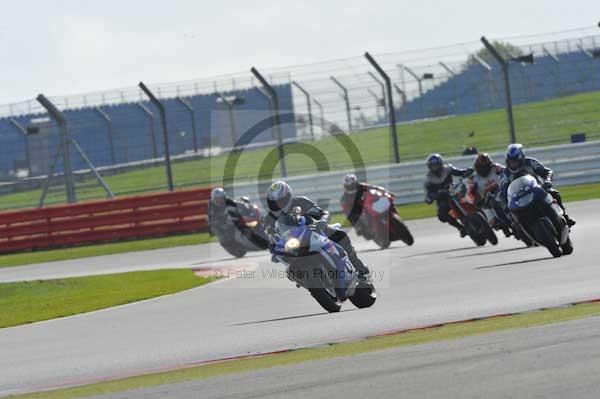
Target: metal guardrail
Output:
[(572, 164)]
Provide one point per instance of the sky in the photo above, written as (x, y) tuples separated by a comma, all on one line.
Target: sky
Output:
[(78, 46)]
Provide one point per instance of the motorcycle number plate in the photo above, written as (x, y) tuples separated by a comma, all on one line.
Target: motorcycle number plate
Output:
[(381, 205)]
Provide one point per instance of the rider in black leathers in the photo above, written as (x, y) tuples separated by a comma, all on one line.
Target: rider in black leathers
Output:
[(437, 185)]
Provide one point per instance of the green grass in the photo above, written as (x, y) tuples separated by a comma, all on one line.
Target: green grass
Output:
[(581, 192), (86, 251), (451, 331), (547, 122), (31, 301)]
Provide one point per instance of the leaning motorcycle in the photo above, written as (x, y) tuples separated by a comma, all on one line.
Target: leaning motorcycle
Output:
[(320, 265), (539, 215), (463, 208), (244, 231), (380, 221)]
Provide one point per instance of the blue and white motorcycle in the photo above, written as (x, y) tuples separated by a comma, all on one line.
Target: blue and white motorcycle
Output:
[(320, 265), (539, 216)]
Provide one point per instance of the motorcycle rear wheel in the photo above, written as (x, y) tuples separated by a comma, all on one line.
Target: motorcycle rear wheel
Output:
[(403, 232), (364, 296), (567, 248)]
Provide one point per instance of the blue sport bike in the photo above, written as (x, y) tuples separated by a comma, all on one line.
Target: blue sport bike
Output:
[(319, 264)]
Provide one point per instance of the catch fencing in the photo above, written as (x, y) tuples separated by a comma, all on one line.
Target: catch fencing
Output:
[(572, 163), (446, 100)]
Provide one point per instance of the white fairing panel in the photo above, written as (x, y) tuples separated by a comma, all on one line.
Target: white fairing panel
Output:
[(381, 205)]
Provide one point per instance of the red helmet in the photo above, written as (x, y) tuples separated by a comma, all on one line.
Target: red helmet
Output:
[(483, 164)]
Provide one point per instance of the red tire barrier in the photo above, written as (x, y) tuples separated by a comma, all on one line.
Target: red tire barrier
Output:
[(107, 220)]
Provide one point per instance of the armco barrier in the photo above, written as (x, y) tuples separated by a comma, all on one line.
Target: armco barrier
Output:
[(122, 218), (572, 164)]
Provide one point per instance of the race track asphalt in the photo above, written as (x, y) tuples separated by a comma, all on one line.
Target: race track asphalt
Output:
[(551, 362), (441, 278)]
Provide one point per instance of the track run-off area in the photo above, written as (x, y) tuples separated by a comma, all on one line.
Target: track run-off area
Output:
[(442, 278)]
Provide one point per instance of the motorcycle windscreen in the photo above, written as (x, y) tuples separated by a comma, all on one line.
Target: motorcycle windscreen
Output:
[(521, 192)]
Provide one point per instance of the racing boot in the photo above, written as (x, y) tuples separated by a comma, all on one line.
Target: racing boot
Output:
[(361, 268), (570, 222), (459, 227)]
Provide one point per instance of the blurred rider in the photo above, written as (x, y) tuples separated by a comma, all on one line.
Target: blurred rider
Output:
[(437, 186), (484, 186), (223, 209), (518, 165), (281, 201), (353, 198)]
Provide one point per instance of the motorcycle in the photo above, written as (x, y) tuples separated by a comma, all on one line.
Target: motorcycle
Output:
[(500, 219), (539, 216), (463, 208), (380, 221), (319, 264), (243, 231)]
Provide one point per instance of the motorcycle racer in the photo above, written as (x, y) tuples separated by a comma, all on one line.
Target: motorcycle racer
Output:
[(437, 183), (484, 185), (280, 201), (518, 164), (353, 198)]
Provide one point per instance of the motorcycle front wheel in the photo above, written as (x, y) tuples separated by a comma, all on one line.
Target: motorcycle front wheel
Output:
[(545, 234), (236, 250)]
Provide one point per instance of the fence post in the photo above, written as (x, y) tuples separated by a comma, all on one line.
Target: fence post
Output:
[(308, 105), (150, 116), (64, 146), (232, 125), (322, 115), (346, 100), (190, 109), (163, 120), (505, 72), (23, 131), (275, 106), (392, 113), (382, 86), (109, 126)]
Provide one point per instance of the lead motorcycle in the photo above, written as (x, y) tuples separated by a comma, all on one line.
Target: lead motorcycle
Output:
[(380, 220), (243, 231), (539, 216), (319, 264)]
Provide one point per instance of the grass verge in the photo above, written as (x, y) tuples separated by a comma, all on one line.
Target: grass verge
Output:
[(451, 331), (31, 301), (407, 212)]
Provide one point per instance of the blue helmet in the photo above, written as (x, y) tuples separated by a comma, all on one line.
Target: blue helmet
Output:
[(435, 163), (515, 157)]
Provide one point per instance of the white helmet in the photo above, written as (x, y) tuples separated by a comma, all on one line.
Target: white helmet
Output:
[(350, 181), (279, 196), (218, 196)]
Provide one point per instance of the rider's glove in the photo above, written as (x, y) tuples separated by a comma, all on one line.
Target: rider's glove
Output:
[(321, 225), (547, 185)]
